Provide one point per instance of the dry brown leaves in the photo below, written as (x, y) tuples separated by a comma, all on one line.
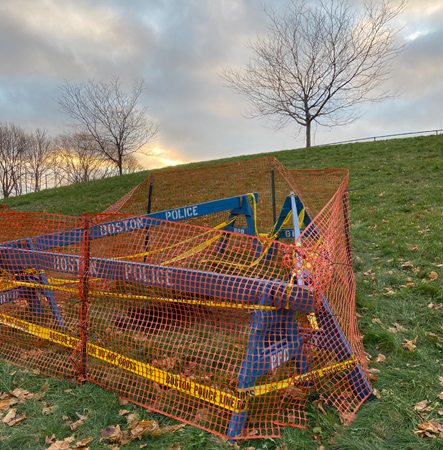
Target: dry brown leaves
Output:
[(164, 363), (60, 445), (410, 345), (319, 405), (6, 401), (373, 374), (433, 276), (83, 444), (435, 306), (430, 429), (380, 358), (12, 418), (407, 265), (397, 328), (136, 430), (78, 423), (423, 406)]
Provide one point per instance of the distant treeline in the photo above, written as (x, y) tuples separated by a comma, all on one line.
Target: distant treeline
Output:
[(30, 162)]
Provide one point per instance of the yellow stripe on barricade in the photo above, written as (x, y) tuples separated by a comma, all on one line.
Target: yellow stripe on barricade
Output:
[(142, 297), (212, 395)]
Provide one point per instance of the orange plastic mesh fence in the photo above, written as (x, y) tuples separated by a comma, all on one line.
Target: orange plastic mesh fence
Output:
[(230, 332)]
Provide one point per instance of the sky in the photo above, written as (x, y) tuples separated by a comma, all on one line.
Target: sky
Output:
[(179, 47)]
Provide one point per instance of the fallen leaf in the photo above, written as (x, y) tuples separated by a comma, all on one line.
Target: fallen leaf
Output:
[(424, 406), (423, 433), (376, 392), (433, 276), (112, 433), (22, 395), (407, 265), (122, 401), (440, 396), (436, 307), (123, 412), (82, 444), (416, 270), (410, 345), (46, 409), (78, 423), (12, 418), (414, 249), (164, 363), (131, 418), (410, 285), (170, 429), (201, 414), (319, 405), (145, 427), (345, 419), (376, 320), (380, 358), (49, 439), (440, 379), (61, 445), (397, 328), (389, 291), (7, 402)]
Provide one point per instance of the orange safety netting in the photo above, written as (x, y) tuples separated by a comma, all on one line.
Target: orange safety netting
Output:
[(221, 316)]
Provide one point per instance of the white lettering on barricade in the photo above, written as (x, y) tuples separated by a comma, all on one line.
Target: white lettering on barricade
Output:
[(8, 296), (182, 213), (141, 273), (66, 264), (279, 358), (121, 226)]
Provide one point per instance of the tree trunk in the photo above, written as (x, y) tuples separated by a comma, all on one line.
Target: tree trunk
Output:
[(308, 134)]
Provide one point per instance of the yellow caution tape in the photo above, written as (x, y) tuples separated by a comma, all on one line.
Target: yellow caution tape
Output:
[(159, 250), (284, 384), (225, 400), (212, 395)]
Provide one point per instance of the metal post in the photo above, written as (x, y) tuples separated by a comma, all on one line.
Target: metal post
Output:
[(151, 187), (295, 217), (84, 295), (274, 213)]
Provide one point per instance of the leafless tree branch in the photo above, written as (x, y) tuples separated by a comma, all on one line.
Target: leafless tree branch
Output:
[(110, 115), (320, 62)]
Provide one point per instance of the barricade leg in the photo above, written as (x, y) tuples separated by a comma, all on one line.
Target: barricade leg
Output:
[(274, 339), (334, 340)]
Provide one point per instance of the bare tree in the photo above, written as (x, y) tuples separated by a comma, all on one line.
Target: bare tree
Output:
[(38, 157), (79, 159), (319, 62), (13, 148), (110, 116)]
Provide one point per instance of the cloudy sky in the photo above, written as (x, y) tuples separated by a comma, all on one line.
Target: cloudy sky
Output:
[(179, 47)]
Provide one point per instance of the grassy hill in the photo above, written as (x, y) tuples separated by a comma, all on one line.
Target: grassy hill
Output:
[(396, 196)]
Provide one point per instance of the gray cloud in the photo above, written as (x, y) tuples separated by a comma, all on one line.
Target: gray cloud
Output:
[(179, 48)]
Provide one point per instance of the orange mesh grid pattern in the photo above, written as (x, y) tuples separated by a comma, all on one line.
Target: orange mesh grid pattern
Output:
[(230, 332)]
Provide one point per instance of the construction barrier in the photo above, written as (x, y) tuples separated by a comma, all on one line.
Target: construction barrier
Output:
[(221, 296)]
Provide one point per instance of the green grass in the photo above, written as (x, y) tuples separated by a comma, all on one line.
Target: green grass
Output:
[(396, 196)]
